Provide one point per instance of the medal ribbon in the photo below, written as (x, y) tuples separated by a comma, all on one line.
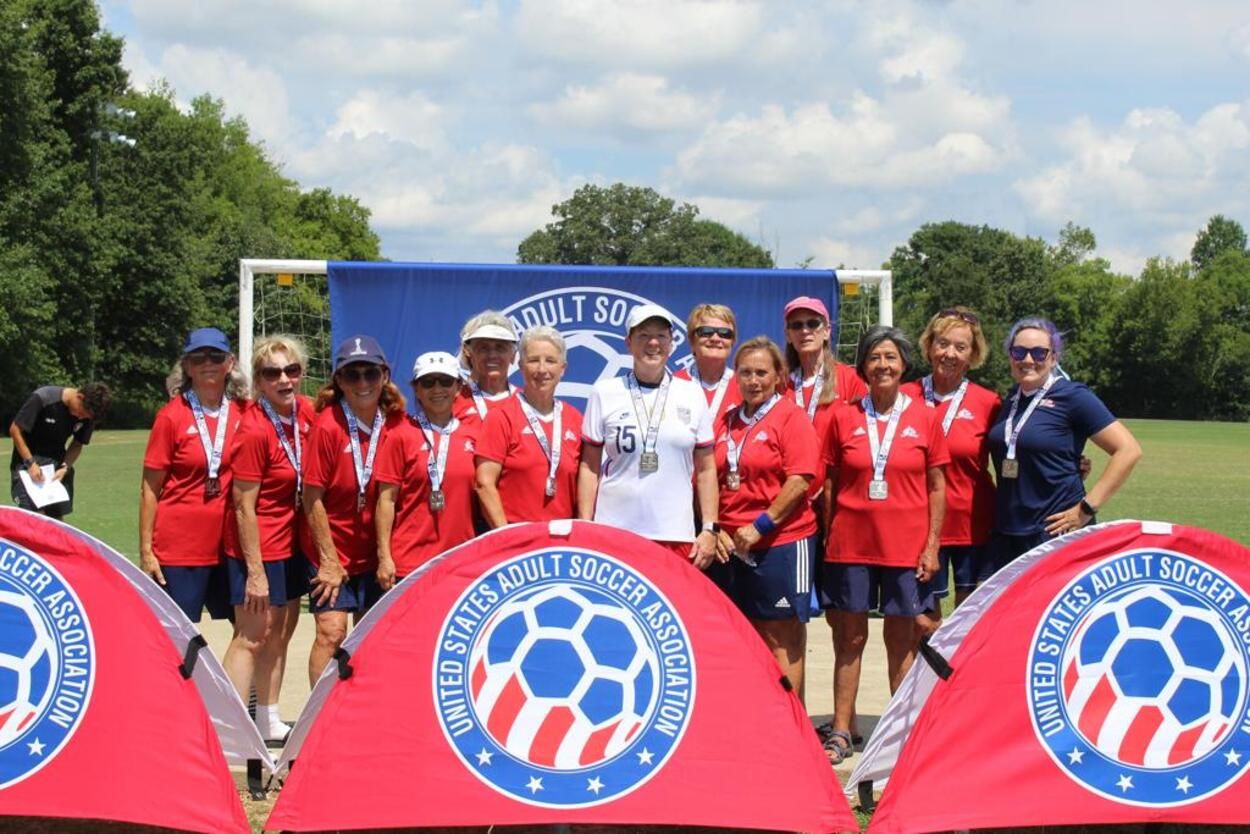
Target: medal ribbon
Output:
[(479, 399), (364, 471), (436, 462), (735, 450), (552, 449), (1011, 435), (721, 387), (955, 400), (212, 448), (293, 456), (652, 428), (879, 448), (817, 387)]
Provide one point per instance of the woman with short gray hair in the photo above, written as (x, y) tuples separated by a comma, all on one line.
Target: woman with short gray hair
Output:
[(488, 345), (885, 496)]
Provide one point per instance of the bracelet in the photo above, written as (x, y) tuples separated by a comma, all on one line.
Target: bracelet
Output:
[(764, 524), (27, 463)]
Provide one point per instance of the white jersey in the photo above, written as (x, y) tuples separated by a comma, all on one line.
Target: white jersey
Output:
[(657, 505)]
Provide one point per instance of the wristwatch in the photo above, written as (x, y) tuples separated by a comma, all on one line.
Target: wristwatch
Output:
[(27, 463), (1088, 508), (711, 527)]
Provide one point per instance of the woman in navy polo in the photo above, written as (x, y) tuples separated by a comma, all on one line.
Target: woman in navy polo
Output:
[(1036, 442)]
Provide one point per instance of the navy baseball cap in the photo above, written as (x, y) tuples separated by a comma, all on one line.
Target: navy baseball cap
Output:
[(359, 349), (206, 337)]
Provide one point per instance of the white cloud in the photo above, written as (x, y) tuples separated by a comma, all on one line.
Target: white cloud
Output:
[(412, 118), (626, 101), (828, 253), (1153, 162), (256, 93), (640, 33)]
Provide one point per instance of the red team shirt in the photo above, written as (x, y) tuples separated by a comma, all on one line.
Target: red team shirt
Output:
[(889, 533), (507, 440), (328, 464), (850, 389), (419, 534), (257, 457), (969, 488), (782, 444), (188, 524), (733, 394), (465, 408)]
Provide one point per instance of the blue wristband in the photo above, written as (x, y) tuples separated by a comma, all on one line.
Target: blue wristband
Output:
[(764, 524)]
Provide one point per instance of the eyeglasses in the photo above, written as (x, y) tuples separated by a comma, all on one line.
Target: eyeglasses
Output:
[(805, 324), (271, 374), (1018, 353), (707, 332), (353, 375), (428, 382), (213, 357), (959, 314)]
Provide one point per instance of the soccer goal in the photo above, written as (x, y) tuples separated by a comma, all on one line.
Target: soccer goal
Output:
[(293, 296)]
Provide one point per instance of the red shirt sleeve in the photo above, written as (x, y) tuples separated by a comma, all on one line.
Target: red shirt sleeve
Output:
[(394, 454), (833, 443), (323, 444), (160, 450), (495, 437), (250, 457)]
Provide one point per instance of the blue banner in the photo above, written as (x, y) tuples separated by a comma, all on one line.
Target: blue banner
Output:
[(413, 308)]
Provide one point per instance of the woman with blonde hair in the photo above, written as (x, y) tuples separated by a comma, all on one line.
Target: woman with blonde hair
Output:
[(712, 329), (264, 566)]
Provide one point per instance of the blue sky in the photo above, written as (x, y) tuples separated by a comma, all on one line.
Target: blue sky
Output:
[(824, 130)]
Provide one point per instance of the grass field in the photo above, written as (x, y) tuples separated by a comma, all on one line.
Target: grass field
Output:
[(1192, 473)]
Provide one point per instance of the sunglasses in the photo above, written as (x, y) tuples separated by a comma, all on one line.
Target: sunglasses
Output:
[(805, 324), (436, 380), (707, 332), (271, 374), (213, 357), (353, 375), (961, 315), (1018, 353)]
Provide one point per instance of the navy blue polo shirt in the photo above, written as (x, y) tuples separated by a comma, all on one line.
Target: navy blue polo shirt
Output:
[(1049, 453)]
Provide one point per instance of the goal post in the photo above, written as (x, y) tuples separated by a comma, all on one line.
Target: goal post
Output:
[(292, 296)]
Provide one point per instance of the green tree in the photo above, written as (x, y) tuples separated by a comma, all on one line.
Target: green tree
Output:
[(1220, 235), (632, 226)]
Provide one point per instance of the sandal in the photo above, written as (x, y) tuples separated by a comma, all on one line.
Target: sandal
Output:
[(823, 731), (839, 746)]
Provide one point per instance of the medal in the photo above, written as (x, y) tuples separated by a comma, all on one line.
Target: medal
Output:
[(1011, 434), (879, 447), (649, 459), (436, 460), (551, 450), (733, 478), (213, 446), (363, 465)]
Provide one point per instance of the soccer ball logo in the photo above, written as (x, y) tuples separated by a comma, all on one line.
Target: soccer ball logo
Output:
[(1138, 679), (1153, 677), (28, 665), (563, 676), (47, 663), (592, 322)]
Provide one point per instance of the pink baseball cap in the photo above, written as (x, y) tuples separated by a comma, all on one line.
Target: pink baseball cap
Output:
[(804, 302)]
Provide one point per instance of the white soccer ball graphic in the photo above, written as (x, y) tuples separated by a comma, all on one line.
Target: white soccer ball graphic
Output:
[(1154, 678), (27, 664), (563, 677), (593, 352)]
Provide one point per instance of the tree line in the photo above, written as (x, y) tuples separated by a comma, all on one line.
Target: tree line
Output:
[(123, 217)]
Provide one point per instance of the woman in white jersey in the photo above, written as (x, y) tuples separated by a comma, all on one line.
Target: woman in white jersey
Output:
[(647, 447), (487, 351)]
